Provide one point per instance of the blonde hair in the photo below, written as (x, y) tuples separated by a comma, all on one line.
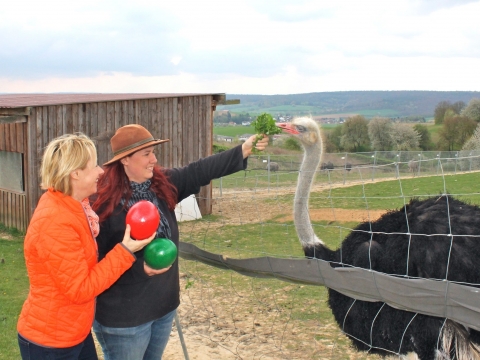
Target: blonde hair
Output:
[(63, 155)]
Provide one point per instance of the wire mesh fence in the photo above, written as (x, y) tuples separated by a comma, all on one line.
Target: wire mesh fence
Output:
[(282, 170)]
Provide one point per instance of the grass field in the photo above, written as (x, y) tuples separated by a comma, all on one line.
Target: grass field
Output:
[(13, 290), (233, 130)]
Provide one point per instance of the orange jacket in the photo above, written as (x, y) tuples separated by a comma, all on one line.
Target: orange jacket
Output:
[(65, 276)]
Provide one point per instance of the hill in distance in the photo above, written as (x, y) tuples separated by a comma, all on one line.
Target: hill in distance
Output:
[(366, 103)]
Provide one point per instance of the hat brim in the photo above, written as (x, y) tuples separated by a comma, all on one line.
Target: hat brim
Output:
[(131, 151)]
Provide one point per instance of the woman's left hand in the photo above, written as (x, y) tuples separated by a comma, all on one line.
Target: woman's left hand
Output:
[(150, 272), (247, 146)]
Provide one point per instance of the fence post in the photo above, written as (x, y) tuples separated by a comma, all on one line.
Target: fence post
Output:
[(438, 163), (456, 158), (419, 164), (268, 171), (396, 166), (180, 335)]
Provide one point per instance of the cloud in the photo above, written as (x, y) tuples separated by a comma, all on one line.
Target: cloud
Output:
[(428, 6), (272, 45), (131, 39)]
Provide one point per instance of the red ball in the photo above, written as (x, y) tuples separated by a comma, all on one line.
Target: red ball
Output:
[(143, 218)]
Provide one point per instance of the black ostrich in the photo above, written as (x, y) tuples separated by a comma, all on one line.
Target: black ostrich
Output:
[(374, 326)]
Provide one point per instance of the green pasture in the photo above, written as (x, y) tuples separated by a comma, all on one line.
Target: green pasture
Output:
[(233, 130), (13, 290), (434, 132), (379, 112)]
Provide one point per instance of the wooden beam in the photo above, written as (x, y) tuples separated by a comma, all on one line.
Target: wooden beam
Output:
[(219, 98), (14, 119), (16, 111)]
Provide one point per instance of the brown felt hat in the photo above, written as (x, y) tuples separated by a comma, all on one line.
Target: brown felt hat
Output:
[(131, 138)]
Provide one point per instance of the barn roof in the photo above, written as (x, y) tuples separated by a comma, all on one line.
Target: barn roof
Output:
[(23, 100)]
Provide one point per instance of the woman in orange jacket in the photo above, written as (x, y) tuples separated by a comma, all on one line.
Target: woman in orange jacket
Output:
[(61, 256)]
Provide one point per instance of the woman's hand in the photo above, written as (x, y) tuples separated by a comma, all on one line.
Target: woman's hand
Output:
[(135, 245), (150, 272), (247, 146)]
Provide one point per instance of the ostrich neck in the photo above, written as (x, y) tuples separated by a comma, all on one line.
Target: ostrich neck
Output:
[(311, 160)]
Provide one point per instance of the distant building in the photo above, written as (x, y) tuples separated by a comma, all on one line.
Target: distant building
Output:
[(244, 137), (223, 138)]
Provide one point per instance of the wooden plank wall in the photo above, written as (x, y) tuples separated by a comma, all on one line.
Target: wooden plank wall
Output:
[(13, 210), (186, 121)]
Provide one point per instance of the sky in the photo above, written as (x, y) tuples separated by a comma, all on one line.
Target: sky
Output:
[(238, 47)]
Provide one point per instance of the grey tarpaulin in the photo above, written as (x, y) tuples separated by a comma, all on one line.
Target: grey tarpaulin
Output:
[(445, 299)]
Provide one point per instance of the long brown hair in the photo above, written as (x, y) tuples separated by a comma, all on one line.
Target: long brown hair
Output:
[(114, 184)]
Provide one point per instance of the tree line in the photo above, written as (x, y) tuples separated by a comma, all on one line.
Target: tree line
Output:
[(459, 122)]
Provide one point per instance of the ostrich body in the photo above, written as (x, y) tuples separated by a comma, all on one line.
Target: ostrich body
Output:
[(272, 166), (374, 326)]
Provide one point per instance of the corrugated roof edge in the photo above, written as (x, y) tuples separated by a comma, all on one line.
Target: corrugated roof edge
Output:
[(23, 100)]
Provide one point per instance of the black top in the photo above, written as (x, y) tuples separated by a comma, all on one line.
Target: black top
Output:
[(136, 298)]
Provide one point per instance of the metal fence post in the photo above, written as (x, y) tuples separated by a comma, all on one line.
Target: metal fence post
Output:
[(438, 163), (268, 171), (456, 158), (180, 335)]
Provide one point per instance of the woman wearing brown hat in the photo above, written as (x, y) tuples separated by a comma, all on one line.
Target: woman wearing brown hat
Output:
[(134, 316)]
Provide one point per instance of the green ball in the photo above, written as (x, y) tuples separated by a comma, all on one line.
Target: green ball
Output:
[(160, 253)]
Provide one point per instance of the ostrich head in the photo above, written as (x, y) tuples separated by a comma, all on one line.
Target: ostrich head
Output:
[(304, 129)]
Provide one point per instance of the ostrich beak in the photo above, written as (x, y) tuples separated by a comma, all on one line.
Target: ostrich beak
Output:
[(289, 128)]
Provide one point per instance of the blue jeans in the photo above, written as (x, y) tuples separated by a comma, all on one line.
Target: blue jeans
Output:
[(83, 351), (146, 341)]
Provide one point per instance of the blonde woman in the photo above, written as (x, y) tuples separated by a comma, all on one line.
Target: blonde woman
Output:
[(61, 256)]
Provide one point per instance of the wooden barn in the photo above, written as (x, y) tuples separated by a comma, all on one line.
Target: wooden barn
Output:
[(28, 122)]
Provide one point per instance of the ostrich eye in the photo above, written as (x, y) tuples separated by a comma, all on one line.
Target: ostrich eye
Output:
[(301, 128)]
